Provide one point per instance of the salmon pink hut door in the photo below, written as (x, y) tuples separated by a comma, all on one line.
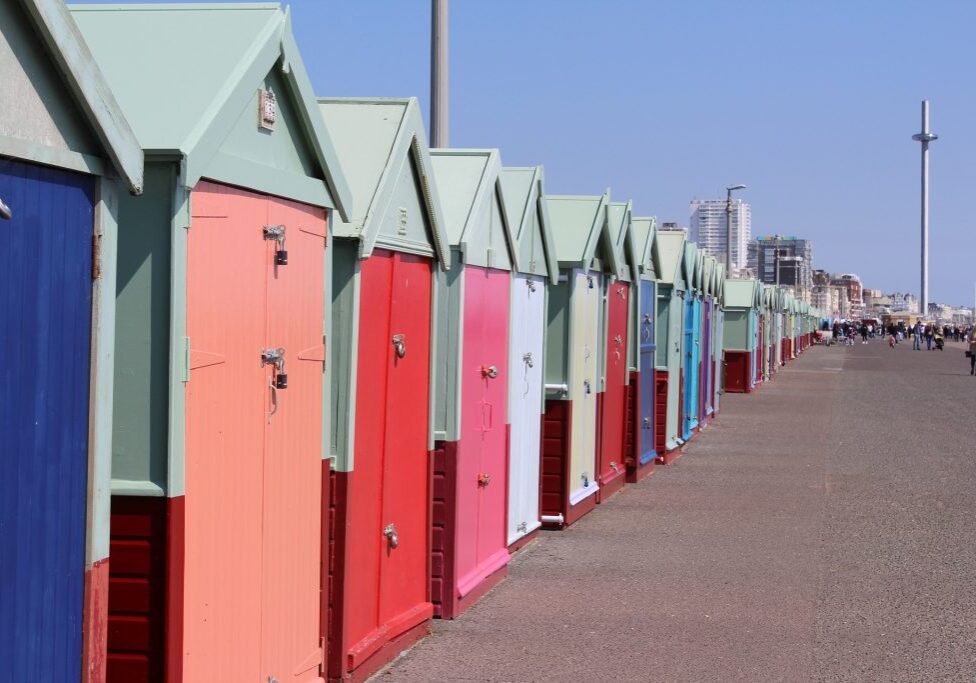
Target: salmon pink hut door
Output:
[(522, 193), (470, 553), (220, 395), (57, 307), (377, 597)]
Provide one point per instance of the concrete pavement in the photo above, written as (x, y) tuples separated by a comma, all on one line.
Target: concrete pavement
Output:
[(823, 529)]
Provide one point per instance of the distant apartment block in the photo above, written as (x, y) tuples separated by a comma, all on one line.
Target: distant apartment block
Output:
[(708, 228), (786, 260)]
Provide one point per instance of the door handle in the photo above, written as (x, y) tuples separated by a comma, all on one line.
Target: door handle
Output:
[(392, 537), (5, 212), (400, 344)]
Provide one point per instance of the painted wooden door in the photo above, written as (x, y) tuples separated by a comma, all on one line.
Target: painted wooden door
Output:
[(387, 544), (717, 357), (482, 463), (705, 361), (689, 367), (525, 397), (648, 349), (253, 439), (45, 332), (584, 373), (611, 461)]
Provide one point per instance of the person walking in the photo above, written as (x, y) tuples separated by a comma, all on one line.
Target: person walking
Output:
[(929, 333), (864, 333), (917, 337), (972, 353)]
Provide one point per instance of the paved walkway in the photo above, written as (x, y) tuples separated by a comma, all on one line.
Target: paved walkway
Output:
[(823, 529)]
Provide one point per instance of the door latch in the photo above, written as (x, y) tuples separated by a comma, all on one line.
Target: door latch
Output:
[(5, 212), (277, 233), (586, 480), (613, 466), (527, 359), (620, 292), (400, 344), (484, 479), (392, 538), (618, 340), (589, 282), (530, 284), (586, 386), (276, 357), (489, 371), (522, 527), (647, 423)]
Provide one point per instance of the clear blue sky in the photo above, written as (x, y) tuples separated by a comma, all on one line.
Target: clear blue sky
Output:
[(811, 104)]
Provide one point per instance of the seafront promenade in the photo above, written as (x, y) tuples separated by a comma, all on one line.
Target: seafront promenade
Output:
[(821, 530)]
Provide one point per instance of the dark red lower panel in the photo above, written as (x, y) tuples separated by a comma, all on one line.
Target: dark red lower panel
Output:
[(386, 654), (738, 366), (95, 634), (660, 411), (443, 511), (556, 424), (326, 614), (137, 590)]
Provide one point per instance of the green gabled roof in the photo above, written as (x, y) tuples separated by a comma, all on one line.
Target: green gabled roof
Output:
[(468, 181), (619, 217), (670, 248), (644, 229), (689, 264), (577, 224), (523, 190), (179, 70), (374, 138), (708, 273), (71, 55), (741, 294)]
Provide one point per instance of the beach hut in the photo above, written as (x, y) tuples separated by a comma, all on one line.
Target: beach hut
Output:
[(616, 361), (535, 268), (718, 332), (384, 259), (67, 154), (707, 372), (740, 336), (669, 250), (572, 370), (220, 330), (692, 343), (642, 382), (470, 463)]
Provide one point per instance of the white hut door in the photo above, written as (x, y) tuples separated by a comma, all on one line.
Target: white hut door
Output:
[(525, 404)]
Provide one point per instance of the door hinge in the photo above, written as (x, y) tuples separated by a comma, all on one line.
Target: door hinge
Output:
[(186, 359), (96, 264)]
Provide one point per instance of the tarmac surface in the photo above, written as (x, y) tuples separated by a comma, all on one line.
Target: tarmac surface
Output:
[(822, 529)]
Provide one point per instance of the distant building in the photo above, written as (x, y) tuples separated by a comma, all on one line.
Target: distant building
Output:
[(673, 227), (708, 228), (851, 284), (791, 256)]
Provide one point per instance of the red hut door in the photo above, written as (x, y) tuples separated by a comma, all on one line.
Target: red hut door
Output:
[(611, 466), (386, 548), (253, 449)]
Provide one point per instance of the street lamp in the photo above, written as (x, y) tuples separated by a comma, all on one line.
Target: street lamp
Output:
[(728, 225)]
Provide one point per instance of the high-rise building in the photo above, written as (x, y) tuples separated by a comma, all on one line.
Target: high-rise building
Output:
[(791, 256), (708, 228)]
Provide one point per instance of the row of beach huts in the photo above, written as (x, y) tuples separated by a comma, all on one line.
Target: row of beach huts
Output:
[(281, 383)]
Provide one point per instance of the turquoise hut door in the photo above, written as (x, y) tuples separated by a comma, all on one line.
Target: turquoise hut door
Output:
[(525, 397)]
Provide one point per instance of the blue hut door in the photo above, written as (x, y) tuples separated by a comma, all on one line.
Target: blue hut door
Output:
[(647, 351), (45, 330)]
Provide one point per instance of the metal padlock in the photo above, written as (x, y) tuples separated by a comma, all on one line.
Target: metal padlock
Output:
[(277, 233), (400, 344), (281, 381)]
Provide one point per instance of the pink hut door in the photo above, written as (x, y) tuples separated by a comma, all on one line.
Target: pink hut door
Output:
[(482, 467), (253, 449)]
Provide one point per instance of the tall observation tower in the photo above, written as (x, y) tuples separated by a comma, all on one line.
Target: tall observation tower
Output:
[(925, 137)]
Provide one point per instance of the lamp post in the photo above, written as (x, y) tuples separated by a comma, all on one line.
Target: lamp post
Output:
[(925, 137), (438, 74), (728, 225)]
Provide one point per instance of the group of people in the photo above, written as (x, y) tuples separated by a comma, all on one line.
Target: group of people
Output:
[(928, 334)]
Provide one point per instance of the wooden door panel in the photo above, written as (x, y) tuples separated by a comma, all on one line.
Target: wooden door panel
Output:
[(646, 340), (45, 327), (367, 547), (612, 433), (292, 496), (492, 551), (226, 412), (404, 575)]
